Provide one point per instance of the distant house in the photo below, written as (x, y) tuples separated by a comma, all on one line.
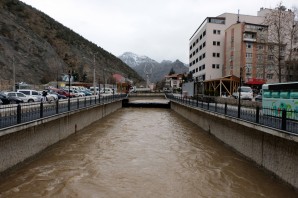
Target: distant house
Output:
[(173, 81)]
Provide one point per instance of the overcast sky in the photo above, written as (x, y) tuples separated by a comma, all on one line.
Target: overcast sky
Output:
[(159, 29)]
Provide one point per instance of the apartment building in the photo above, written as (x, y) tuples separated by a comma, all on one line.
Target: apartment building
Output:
[(246, 53), (206, 45)]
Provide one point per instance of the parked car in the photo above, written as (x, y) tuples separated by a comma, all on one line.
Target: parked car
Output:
[(10, 99), (33, 94), (258, 98), (106, 91), (19, 95), (65, 93), (77, 93), (245, 93), (86, 92), (59, 96), (50, 96)]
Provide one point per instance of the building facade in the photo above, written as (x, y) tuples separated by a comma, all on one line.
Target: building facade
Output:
[(246, 53), (206, 46), (230, 44)]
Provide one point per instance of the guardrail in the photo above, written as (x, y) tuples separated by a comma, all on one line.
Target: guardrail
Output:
[(11, 115), (274, 118)]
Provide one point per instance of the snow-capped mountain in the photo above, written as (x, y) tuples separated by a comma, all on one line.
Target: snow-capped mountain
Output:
[(134, 60), (144, 65)]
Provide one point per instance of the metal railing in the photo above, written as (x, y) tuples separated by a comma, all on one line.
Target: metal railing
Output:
[(273, 118), (14, 114)]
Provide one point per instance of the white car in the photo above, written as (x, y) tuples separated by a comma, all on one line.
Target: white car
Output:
[(24, 97), (33, 94), (246, 93), (107, 91)]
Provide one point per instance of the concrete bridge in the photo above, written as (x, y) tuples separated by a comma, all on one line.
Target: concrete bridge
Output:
[(270, 148), (157, 100)]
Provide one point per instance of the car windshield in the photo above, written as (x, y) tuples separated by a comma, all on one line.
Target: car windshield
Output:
[(245, 89)]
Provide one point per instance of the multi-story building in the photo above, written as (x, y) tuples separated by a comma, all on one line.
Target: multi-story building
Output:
[(228, 43), (173, 81), (206, 45), (246, 53)]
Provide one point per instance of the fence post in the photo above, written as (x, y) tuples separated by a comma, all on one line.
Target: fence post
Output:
[(78, 103), (257, 114), (69, 103), (226, 108), (197, 100), (208, 105), (57, 106), (284, 120), (215, 106), (19, 114), (41, 110), (85, 102)]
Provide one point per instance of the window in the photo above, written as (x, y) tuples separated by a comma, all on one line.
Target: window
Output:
[(214, 42), (204, 33), (218, 43), (260, 56), (260, 47), (269, 76), (197, 50), (270, 57), (214, 31), (215, 66), (218, 31), (271, 47), (248, 45), (204, 44), (196, 60), (248, 55), (248, 68), (216, 54)]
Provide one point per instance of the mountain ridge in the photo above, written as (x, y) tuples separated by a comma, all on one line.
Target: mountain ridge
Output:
[(157, 71), (42, 49)]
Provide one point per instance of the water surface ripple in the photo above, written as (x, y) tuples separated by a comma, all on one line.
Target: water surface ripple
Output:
[(138, 152)]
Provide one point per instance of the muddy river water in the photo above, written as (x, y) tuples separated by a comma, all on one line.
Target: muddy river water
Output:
[(138, 152)]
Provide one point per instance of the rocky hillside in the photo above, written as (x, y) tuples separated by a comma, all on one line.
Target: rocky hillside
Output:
[(41, 49), (157, 71)]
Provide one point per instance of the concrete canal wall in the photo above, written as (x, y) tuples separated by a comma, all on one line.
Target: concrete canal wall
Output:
[(269, 148), (21, 142)]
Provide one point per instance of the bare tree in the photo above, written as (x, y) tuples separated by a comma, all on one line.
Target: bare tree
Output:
[(292, 53), (282, 30)]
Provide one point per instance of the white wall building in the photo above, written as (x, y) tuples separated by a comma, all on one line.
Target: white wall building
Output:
[(206, 45)]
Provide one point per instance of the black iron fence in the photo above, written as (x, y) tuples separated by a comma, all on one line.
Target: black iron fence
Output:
[(11, 115), (274, 118)]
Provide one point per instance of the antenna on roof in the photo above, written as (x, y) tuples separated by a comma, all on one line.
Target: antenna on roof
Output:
[(238, 21)]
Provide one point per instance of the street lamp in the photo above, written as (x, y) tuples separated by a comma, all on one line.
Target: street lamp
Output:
[(94, 83), (239, 92)]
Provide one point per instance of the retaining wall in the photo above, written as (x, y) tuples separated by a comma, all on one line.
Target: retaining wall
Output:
[(269, 148), (23, 141)]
